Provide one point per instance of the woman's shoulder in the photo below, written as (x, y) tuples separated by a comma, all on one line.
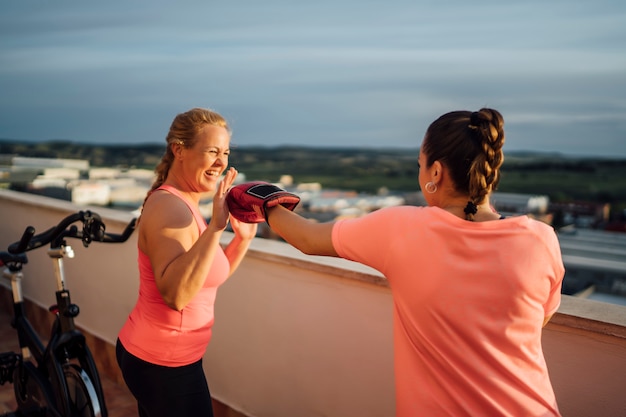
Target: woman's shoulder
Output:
[(397, 210), (393, 215), (161, 197), (164, 214), (165, 208), (540, 227)]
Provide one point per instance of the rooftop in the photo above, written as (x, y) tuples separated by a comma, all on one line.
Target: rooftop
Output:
[(299, 335)]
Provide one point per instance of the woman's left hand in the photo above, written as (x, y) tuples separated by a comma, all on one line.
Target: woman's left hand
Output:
[(245, 231)]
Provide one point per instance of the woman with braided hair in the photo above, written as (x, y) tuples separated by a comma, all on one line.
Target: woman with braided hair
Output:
[(181, 265), (470, 147), (471, 289)]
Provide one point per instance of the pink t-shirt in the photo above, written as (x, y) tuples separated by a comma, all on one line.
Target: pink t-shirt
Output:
[(469, 300), (158, 334)]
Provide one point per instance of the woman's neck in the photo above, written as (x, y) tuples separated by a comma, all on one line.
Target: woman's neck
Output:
[(484, 211), (172, 181)]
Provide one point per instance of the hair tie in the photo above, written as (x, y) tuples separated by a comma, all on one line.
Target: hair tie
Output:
[(474, 121), (470, 208)]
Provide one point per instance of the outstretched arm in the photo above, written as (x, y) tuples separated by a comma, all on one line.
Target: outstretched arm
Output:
[(306, 235)]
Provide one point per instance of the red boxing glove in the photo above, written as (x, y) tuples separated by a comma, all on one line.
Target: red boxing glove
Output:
[(248, 202)]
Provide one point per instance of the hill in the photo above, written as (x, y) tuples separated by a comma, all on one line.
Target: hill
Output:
[(563, 179)]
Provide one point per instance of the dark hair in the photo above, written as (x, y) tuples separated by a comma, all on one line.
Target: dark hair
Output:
[(469, 144)]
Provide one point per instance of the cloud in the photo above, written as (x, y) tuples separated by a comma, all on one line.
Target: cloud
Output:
[(322, 73)]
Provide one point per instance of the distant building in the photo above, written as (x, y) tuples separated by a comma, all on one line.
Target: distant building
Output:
[(91, 193), (580, 214), (350, 204), (595, 264), (104, 173), (24, 172), (515, 203), (74, 180), (508, 203), (80, 165)]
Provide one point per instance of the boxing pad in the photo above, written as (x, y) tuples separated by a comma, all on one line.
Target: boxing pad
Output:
[(249, 201)]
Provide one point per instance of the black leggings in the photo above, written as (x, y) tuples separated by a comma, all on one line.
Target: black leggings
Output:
[(163, 391)]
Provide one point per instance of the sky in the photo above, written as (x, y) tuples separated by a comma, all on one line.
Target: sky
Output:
[(350, 73)]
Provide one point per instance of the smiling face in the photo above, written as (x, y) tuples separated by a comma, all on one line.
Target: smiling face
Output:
[(204, 162)]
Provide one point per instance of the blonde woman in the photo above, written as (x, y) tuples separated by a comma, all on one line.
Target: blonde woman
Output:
[(181, 265)]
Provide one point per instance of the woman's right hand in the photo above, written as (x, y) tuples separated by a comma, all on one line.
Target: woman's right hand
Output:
[(219, 219)]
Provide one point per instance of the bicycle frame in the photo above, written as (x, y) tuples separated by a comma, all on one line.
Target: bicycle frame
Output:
[(66, 356), (28, 339), (66, 342), (32, 364)]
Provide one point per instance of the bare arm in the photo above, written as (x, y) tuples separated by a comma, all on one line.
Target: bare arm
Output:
[(306, 235), (181, 258), (237, 248)]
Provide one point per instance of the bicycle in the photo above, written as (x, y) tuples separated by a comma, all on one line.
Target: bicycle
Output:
[(60, 378)]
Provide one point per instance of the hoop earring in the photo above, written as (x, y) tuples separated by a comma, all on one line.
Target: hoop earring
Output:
[(431, 187)]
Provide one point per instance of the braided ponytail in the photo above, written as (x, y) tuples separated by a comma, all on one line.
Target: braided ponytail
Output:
[(486, 125)]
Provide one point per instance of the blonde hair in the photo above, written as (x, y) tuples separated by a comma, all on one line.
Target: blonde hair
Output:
[(183, 131)]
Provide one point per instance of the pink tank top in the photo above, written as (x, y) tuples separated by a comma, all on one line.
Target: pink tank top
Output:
[(158, 334)]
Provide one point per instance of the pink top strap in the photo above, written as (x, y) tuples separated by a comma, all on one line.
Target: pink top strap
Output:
[(194, 209)]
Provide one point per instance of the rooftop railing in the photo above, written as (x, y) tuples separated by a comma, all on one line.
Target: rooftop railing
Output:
[(299, 335)]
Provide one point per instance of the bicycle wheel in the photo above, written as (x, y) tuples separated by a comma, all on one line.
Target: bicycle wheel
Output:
[(32, 394), (82, 394)]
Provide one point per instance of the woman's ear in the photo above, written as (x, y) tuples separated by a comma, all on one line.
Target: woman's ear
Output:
[(436, 172), (177, 150)]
